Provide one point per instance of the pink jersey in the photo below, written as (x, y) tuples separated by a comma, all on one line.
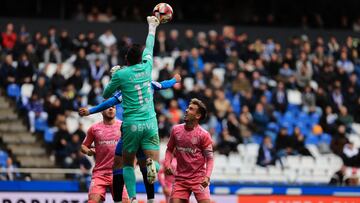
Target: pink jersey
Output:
[(105, 138), (191, 149)]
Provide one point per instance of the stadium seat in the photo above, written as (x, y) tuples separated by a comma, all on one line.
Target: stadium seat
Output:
[(307, 162), (40, 124), (312, 139), (49, 135), (294, 97), (251, 150), (182, 104), (274, 127), (326, 138), (189, 84), (236, 105), (3, 158), (26, 90), (50, 69), (13, 91), (67, 70)]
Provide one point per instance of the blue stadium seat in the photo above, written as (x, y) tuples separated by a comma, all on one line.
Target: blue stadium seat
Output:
[(312, 139), (49, 135), (304, 128), (294, 109), (40, 124), (274, 127), (3, 158), (288, 118), (257, 138), (326, 138), (315, 118), (229, 95), (13, 91), (182, 104), (236, 105), (303, 117)]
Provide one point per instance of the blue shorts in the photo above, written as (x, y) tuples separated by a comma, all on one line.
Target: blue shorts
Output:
[(118, 151)]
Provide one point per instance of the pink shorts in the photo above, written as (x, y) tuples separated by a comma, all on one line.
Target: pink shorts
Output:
[(99, 184), (182, 190)]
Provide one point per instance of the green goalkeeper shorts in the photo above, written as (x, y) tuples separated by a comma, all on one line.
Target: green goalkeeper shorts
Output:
[(143, 134)]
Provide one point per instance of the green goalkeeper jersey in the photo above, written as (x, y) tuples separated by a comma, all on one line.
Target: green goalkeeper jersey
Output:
[(135, 84)]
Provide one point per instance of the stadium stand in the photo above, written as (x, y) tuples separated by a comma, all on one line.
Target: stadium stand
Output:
[(277, 113)]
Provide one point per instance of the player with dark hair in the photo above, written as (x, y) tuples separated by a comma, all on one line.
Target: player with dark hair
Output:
[(104, 135), (192, 147)]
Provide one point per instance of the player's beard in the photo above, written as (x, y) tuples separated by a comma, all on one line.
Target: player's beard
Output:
[(109, 116)]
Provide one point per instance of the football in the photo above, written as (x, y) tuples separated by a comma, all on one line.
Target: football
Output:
[(163, 12)]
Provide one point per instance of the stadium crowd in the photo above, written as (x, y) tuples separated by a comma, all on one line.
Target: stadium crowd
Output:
[(279, 96)]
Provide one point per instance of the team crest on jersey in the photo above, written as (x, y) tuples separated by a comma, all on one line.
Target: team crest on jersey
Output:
[(194, 140)]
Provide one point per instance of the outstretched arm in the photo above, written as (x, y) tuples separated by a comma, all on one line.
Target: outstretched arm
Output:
[(150, 40), (112, 86), (104, 105), (166, 83)]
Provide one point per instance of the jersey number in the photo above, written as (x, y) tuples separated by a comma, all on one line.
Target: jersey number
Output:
[(140, 95)]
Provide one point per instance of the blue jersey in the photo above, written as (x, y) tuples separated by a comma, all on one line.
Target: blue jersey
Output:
[(117, 97)]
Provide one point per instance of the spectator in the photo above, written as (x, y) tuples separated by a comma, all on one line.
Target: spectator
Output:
[(175, 114), (80, 42), (279, 97), (97, 54), (261, 119), (40, 88), (97, 70), (344, 118), (160, 47), (8, 71), (246, 129), (283, 144), (266, 154), (107, 39), (308, 99), (52, 51), (222, 105), (189, 41), (339, 140), (172, 42), (298, 141), (195, 62), (25, 70), (344, 63), (82, 63), (241, 84), (11, 170), (76, 79), (228, 143), (32, 56), (95, 94), (338, 178), (9, 37), (65, 44), (35, 111), (72, 149), (61, 140)]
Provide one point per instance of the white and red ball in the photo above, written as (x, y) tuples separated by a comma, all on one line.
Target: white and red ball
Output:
[(163, 12)]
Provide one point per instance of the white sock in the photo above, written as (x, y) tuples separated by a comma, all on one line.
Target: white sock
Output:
[(118, 202), (151, 201)]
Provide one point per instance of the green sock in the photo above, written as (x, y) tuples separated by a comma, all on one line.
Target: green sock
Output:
[(130, 180), (157, 166)]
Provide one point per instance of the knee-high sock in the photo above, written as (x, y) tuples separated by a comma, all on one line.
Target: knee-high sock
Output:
[(130, 181), (150, 190), (118, 185)]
